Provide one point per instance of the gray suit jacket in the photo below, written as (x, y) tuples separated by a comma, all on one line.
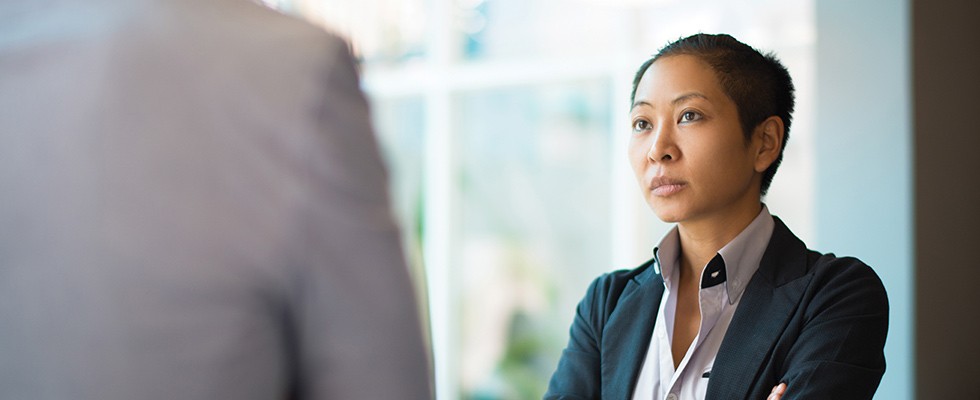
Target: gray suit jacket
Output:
[(192, 206)]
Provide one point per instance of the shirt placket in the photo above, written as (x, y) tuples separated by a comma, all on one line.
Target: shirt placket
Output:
[(710, 303)]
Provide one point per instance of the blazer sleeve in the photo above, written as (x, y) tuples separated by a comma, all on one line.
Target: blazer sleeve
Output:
[(839, 353), (577, 375), (357, 328)]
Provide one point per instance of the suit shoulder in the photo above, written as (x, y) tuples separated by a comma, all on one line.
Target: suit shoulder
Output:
[(255, 32), (831, 265), (619, 278), (606, 289), (840, 278)]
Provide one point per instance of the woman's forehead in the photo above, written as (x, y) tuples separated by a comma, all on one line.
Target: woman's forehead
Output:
[(678, 77)]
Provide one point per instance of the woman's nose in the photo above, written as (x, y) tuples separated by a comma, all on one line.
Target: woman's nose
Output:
[(662, 149)]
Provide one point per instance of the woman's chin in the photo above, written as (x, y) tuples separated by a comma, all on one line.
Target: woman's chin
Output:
[(666, 214)]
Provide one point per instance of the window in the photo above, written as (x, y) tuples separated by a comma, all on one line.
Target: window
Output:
[(505, 123)]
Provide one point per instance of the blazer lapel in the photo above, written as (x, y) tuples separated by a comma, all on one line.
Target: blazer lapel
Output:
[(627, 334), (766, 306)]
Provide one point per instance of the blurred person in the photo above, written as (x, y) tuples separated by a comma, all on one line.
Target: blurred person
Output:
[(732, 305), (193, 207)]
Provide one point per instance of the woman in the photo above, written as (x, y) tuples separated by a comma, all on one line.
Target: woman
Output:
[(732, 305)]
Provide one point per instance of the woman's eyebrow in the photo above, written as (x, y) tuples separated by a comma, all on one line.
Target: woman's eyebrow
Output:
[(687, 96), (640, 103), (680, 99)]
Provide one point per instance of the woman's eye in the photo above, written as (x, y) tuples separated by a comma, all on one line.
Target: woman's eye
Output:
[(640, 125), (689, 116)]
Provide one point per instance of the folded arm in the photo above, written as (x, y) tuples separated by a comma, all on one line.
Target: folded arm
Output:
[(839, 352)]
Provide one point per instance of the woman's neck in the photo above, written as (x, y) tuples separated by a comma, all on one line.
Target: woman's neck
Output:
[(700, 240)]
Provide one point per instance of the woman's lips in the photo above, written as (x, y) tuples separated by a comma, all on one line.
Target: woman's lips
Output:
[(663, 186)]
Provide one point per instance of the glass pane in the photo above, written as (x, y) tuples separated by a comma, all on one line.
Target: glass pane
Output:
[(532, 229), (400, 125), (764, 24), (604, 29), (514, 29), (382, 32)]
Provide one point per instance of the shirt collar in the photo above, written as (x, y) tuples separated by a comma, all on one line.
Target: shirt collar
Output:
[(740, 257)]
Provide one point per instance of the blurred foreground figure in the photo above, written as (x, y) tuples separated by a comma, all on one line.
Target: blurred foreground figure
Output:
[(192, 206)]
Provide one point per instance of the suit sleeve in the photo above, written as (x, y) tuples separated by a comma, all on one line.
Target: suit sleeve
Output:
[(578, 374), (839, 353), (357, 328)]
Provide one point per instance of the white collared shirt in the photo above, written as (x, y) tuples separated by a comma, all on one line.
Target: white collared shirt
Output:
[(722, 283)]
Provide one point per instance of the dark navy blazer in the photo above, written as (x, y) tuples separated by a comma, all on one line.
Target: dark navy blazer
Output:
[(814, 321)]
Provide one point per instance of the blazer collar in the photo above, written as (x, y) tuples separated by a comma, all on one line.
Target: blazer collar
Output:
[(785, 259), (765, 308), (627, 333)]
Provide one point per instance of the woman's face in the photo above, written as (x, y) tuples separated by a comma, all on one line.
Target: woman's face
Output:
[(687, 149)]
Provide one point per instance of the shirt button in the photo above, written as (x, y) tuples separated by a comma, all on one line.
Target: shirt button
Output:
[(671, 396)]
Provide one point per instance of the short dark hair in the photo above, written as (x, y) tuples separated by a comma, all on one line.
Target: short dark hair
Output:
[(758, 83)]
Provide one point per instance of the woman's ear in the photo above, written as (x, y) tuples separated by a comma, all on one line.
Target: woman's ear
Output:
[(769, 134)]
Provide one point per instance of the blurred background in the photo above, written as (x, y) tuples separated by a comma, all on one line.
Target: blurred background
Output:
[(505, 125)]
